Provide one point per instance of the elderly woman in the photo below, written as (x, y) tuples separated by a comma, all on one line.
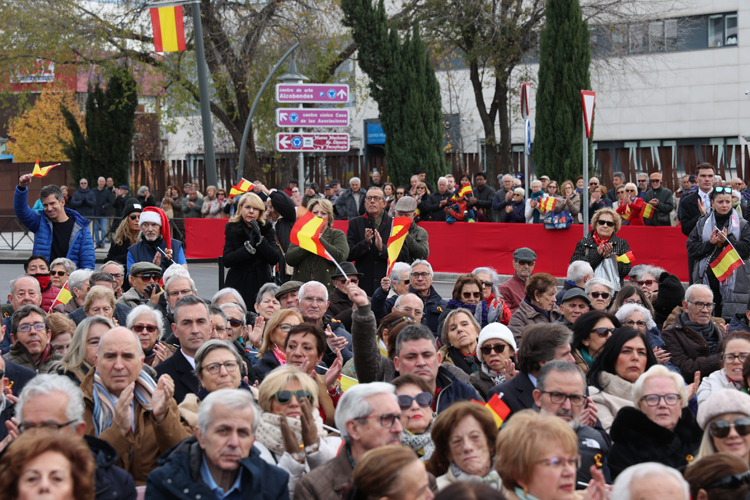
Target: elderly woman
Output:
[(590, 332), (639, 317), (291, 434), (100, 301), (389, 472), (736, 351), (126, 234), (543, 464), (464, 437), (145, 197), (491, 292), (630, 206), (532, 211), (725, 420), (250, 247), (659, 428), (309, 266), (459, 337), (48, 465), (706, 242), (496, 352), (415, 400), (601, 247), (624, 357), (539, 305), (60, 270), (271, 352), (468, 293), (515, 210), (61, 329), (266, 303), (721, 476), (600, 292), (571, 201), (148, 324), (647, 277), (84, 345)]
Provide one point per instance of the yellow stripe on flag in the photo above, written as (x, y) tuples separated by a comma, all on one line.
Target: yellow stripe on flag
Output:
[(307, 234), (168, 29), (648, 211), (63, 297), (347, 382), (726, 263)]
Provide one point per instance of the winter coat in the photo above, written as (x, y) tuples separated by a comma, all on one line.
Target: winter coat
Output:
[(482, 383), (689, 350), (150, 202), (526, 315), (617, 394), (267, 363), (430, 208), (84, 201), (145, 252), (586, 250), (513, 291), (21, 356), (433, 308), (178, 476), (192, 212), (346, 205), (49, 296), (81, 247), (484, 197), (417, 240), (666, 205), (308, 266), (715, 382), (328, 481), (103, 199), (338, 302), (739, 323), (369, 261), (518, 214), (112, 482), (573, 205), (248, 272), (284, 205), (636, 439), (636, 212)]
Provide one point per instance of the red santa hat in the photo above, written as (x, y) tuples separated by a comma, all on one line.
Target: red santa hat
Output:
[(157, 216)]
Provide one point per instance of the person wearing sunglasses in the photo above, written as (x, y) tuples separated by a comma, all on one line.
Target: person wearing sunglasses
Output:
[(496, 355), (721, 476), (736, 351), (725, 420), (590, 332), (601, 247), (662, 201), (600, 292), (539, 305), (127, 231), (415, 401), (659, 427), (148, 324), (468, 293), (271, 353), (630, 206), (712, 234), (637, 316), (491, 295), (144, 285), (60, 270)]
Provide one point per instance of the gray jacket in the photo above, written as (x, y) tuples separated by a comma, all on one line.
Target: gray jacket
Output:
[(346, 205)]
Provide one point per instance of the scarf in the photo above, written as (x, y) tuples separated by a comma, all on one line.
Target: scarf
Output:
[(269, 432), (46, 354), (707, 331), (536, 214), (104, 401), (280, 355), (481, 315), (421, 443), (732, 223), (497, 377), (45, 281), (598, 239), (585, 356), (466, 362), (492, 479), (522, 495)]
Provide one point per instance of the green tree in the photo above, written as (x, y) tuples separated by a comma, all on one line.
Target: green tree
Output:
[(564, 59), (403, 83), (105, 149)]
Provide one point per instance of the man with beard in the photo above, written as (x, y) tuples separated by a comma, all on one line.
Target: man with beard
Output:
[(153, 245)]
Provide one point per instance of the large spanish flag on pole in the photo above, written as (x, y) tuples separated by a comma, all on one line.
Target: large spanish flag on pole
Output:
[(169, 30), (396, 240), (724, 265), (306, 234)]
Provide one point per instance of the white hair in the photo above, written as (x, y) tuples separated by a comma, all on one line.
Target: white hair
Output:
[(508, 176), (174, 278), (233, 399), (599, 281), (354, 179), (398, 268), (354, 403), (692, 288), (46, 384), (660, 371), (69, 265), (144, 309), (226, 291), (578, 270), (423, 263), (520, 191), (78, 278), (441, 179), (271, 288), (312, 284), (174, 271), (624, 312), (109, 263), (634, 473), (232, 305), (493, 277)]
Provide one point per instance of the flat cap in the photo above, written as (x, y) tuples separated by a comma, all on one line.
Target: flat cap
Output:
[(335, 181), (544, 177), (289, 286), (524, 254), (144, 267), (187, 184), (576, 293), (405, 204)]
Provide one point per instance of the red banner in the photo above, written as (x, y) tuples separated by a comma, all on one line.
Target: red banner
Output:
[(461, 247)]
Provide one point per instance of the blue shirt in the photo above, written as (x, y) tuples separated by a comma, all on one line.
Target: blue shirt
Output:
[(532, 378), (234, 492)]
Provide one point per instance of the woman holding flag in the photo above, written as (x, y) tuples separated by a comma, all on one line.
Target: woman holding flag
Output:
[(720, 245), (630, 207), (607, 254)]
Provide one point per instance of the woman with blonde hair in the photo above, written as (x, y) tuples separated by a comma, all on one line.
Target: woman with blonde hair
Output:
[(84, 345), (250, 248), (601, 247), (61, 329), (271, 352), (309, 266)]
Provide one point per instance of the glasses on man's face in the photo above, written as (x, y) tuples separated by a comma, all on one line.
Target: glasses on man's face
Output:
[(149, 277), (374, 198), (593, 183), (387, 420), (729, 358), (141, 328), (609, 223), (655, 181), (559, 398), (420, 275), (215, 368), (234, 323), (468, 295), (353, 280), (54, 426), (180, 293), (58, 273), (487, 349), (26, 327), (653, 399), (703, 305)]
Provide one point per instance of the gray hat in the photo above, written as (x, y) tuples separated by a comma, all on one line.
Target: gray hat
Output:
[(576, 293), (144, 267), (289, 286), (524, 254), (405, 204), (349, 269), (721, 402)]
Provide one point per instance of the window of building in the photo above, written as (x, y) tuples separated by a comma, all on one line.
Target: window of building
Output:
[(716, 31), (731, 29)]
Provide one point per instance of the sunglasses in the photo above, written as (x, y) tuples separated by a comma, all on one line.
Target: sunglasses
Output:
[(602, 331), (646, 282), (487, 284), (604, 295), (284, 397), (655, 181), (353, 280), (721, 189), (134, 216), (609, 223), (58, 273), (149, 277), (423, 399), (235, 322), (487, 350), (468, 295), (721, 428), (140, 328)]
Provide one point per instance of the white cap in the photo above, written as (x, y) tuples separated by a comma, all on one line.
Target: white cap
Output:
[(495, 331)]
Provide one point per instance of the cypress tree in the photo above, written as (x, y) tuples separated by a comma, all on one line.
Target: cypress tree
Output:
[(564, 59)]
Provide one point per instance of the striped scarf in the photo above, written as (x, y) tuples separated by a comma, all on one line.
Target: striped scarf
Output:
[(104, 401)]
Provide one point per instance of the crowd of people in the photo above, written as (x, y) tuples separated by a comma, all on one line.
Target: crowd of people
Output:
[(310, 380)]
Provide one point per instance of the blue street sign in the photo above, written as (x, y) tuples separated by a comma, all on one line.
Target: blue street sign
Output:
[(296, 142), (331, 93), (528, 137), (294, 117)]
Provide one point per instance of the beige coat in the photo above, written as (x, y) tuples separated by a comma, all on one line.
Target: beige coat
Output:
[(617, 394), (526, 315)]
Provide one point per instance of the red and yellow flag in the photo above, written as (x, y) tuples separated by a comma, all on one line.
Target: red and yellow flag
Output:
[(306, 234), (63, 297), (242, 187), (347, 383), (497, 407), (547, 204), (627, 214), (724, 265), (169, 31), (464, 191), (42, 171), (627, 258), (399, 230), (648, 211)]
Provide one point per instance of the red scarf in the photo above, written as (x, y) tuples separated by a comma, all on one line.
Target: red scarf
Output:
[(280, 355), (45, 355), (598, 240)]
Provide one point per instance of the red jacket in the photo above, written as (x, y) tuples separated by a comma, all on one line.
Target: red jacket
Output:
[(636, 211)]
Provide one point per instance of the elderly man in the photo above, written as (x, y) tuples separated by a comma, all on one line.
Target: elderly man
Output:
[(411, 305), (575, 303), (152, 247), (368, 416), (192, 205), (432, 208), (417, 239), (288, 295), (561, 391), (192, 327), (117, 271), (339, 299), (420, 278), (59, 232), (642, 184), (220, 460), (694, 341), (579, 272), (503, 196), (661, 199), (313, 303), (101, 278), (55, 402), (397, 283), (482, 195), (24, 291), (127, 408), (514, 289), (368, 241), (103, 197), (144, 285), (351, 202), (650, 481), (30, 335)]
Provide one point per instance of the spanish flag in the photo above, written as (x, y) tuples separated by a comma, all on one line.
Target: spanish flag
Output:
[(42, 171), (497, 407), (464, 191), (627, 214), (347, 383), (399, 230), (628, 258), (724, 265), (306, 234), (648, 211), (548, 204), (169, 31), (242, 187), (63, 297)]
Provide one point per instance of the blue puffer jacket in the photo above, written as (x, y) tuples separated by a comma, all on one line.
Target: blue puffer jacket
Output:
[(81, 248)]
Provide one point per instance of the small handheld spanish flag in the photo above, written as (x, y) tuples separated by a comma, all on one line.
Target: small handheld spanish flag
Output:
[(548, 204), (242, 187), (724, 265), (648, 211), (42, 171), (347, 383), (399, 231), (628, 213), (63, 297), (627, 258), (497, 407), (464, 191), (169, 30)]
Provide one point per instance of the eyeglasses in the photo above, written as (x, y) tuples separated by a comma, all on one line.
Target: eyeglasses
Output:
[(401, 193), (284, 397), (646, 283), (468, 295), (593, 183), (732, 482), (284, 327), (604, 295), (116, 276), (149, 277), (630, 190), (423, 399), (353, 280), (559, 462), (720, 428), (603, 332), (25, 426), (653, 399), (215, 368), (729, 358), (559, 398), (178, 293), (374, 198), (720, 189), (148, 328), (487, 284), (639, 323), (387, 420), (487, 350), (58, 273), (134, 216), (234, 323), (632, 301), (609, 223), (642, 180), (26, 327), (420, 275), (655, 181), (703, 305)]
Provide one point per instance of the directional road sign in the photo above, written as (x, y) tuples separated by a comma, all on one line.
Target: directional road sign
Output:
[(312, 92), (290, 117), (286, 142)]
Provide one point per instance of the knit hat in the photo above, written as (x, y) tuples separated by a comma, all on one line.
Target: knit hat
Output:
[(495, 331), (721, 402), (132, 206), (669, 296), (157, 216)]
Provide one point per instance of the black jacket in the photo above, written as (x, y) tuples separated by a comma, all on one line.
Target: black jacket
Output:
[(484, 198), (112, 482), (368, 260), (689, 212), (284, 205), (586, 250), (339, 302), (430, 208), (103, 201), (637, 440), (178, 367), (518, 393), (266, 364), (119, 204), (18, 375)]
